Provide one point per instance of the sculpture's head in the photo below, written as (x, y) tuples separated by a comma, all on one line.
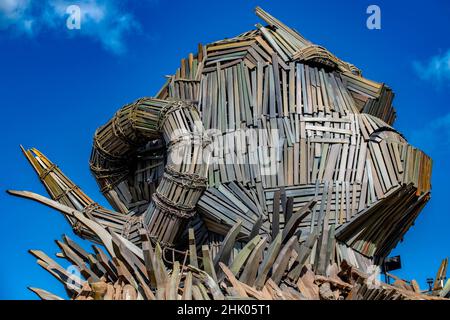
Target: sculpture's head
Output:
[(288, 120)]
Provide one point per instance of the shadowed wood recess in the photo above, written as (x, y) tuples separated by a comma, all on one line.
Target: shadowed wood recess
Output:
[(265, 168)]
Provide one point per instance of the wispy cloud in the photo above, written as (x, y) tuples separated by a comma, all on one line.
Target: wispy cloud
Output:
[(436, 69), (434, 136), (15, 13), (104, 21)]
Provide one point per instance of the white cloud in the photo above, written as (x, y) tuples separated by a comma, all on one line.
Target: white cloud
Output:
[(13, 8), (436, 69), (14, 13), (101, 20)]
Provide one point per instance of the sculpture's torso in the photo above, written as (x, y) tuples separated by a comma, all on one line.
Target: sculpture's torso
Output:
[(291, 122)]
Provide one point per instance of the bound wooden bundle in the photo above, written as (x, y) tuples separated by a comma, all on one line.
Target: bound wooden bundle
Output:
[(63, 190), (115, 146)]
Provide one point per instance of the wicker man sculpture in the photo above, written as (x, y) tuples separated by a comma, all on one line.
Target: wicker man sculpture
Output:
[(263, 160)]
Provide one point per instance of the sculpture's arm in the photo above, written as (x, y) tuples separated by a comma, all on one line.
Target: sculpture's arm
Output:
[(66, 192), (179, 125)]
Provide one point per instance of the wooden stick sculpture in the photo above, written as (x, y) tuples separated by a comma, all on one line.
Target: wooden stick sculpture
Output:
[(265, 168)]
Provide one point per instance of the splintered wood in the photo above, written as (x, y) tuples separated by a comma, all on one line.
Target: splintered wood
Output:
[(152, 273), (264, 168)]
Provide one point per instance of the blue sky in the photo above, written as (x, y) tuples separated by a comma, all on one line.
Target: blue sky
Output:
[(58, 85)]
